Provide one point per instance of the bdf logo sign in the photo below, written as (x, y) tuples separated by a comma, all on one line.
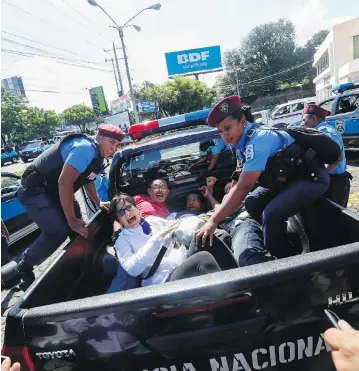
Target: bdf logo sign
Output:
[(192, 61)]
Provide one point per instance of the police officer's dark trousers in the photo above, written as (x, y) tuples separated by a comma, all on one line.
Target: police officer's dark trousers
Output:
[(48, 215), (274, 206), (339, 188)]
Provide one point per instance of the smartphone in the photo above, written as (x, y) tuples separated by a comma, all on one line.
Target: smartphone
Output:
[(332, 317)]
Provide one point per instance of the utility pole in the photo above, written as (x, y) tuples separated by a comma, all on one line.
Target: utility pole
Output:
[(118, 68), (114, 72), (119, 90), (120, 31)]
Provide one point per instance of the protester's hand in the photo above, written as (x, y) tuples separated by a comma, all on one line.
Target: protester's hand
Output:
[(204, 190), (6, 365), (211, 181), (105, 206), (78, 225), (206, 231), (345, 344)]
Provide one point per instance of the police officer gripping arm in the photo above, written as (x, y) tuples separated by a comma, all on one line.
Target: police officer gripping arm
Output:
[(339, 188), (48, 186), (261, 147)]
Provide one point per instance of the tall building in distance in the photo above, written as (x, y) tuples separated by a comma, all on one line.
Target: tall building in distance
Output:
[(14, 86)]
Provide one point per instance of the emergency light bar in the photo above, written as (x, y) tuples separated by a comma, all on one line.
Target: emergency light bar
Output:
[(146, 128), (343, 87)]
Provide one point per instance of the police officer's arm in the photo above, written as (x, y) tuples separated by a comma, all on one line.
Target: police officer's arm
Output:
[(67, 179), (91, 190), (236, 195), (331, 167), (214, 159)]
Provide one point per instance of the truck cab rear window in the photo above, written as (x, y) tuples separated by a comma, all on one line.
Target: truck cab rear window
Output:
[(173, 162)]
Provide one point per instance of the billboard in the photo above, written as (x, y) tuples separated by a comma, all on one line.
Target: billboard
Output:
[(98, 100), (121, 103), (187, 62), (146, 106), (119, 119), (14, 86)]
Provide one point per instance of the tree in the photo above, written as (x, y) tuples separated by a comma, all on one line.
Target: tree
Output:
[(39, 122), (79, 115), (306, 53), (179, 95), (21, 122), (266, 50), (12, 112)]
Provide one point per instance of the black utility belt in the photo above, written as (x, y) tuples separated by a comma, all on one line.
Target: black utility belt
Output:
[(346, 174)]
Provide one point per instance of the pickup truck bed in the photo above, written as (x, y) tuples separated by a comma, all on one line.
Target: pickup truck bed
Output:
[(265, 316)]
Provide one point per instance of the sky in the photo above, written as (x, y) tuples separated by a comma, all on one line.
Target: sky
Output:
[(78, 33)]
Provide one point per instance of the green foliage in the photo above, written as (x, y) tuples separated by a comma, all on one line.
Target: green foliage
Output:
[(79, 115), (12, 112), (19, 121), (268, 49), (177, 96)]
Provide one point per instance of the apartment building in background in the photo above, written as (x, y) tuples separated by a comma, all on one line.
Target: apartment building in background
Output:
[(337, 58)]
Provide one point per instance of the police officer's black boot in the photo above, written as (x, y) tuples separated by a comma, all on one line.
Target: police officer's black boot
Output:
[(26, 271)]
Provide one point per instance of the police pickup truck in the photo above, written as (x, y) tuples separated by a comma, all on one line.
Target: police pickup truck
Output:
[(344, 113), (267, 316)]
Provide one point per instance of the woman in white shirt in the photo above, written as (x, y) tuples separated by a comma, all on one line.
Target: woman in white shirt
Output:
[(140, 242)]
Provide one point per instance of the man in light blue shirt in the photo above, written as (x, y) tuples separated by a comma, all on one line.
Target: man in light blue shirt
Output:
[(48, 186), (339, 188)]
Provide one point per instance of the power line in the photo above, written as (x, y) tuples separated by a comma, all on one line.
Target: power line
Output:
[(70, 16), (48, 23), (89, 20), (278, 73), (41, 43), (26, 54), (48, 91), (52, 55)]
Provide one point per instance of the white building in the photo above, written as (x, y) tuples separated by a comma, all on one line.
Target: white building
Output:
[(337, 58)]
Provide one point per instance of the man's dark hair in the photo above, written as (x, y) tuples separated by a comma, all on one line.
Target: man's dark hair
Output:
[(198, 193), (203, 146), (154, 179), (117, 198)]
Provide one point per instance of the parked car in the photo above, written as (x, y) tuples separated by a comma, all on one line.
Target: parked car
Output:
[(265, 316), (344, 113), (33, 149), (15, 217), (287, 113), (8, 156)]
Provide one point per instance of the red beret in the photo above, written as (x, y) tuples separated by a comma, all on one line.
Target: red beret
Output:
[(313, 109), (223, 109), (111, 131)]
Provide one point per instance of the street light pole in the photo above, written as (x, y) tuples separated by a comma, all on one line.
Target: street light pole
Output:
[(120, 31), (156, 6)]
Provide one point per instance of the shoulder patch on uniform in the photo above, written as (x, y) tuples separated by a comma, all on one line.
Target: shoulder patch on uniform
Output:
[(249, 152)]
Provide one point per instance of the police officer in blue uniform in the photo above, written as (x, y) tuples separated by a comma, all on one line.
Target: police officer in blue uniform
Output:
[(48, 186), (339, 188), (213, 150), (260, 147)]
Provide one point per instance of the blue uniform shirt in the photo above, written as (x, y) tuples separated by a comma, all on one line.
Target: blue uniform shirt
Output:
[(262, 144), (79, 152), (219, 147), (324, 127)]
